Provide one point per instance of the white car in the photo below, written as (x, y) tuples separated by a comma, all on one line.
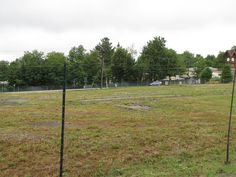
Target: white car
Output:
[(155, 83)]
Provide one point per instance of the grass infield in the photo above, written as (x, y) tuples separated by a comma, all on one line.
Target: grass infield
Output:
[(172, 131)]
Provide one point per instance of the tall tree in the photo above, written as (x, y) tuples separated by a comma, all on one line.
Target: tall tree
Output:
[(189, 59), (31, 68), (181, 64), (220, 60), (76, 73), (156, 61), (199, 65), (171, 66), (122, 65), (105, 50), (211, 61), (53, 69), (185, 61), (142, 68), (14, 73), (4, 67), (92, 68), (152, 59)]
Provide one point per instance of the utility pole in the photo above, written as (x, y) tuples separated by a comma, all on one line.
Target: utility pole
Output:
[(102, 52), (188, 68), (102, 70), (168, 71)]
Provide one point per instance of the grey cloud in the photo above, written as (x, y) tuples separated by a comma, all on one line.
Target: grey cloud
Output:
[(115, 14), (132, 21)]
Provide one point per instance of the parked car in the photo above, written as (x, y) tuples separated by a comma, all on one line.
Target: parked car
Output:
[(155, 83)]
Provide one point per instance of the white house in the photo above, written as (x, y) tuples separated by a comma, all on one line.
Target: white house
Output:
[(215, 72), (4, 82)]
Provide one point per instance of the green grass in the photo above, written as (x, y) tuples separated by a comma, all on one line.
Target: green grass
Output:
[(172, 131)]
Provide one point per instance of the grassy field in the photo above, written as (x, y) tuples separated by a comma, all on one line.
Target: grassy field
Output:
[(173, 131)]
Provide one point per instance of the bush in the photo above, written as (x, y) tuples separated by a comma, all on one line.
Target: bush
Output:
[(205, 75), (226, 75)]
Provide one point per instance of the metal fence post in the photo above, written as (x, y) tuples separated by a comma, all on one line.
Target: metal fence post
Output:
[(63, 121), (231, 59), (230, 120)]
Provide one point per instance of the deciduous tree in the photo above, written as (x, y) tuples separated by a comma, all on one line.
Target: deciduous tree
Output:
[(122, 65), (226, 75)]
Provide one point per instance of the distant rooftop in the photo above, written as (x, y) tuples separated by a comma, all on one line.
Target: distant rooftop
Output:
[(230, 54)]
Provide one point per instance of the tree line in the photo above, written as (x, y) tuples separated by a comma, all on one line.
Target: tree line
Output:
[(105, 64)]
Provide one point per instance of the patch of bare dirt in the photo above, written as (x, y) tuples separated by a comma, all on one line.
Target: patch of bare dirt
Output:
[(12, 102), (226, 175), (46, 124), (19, 137), (90, 124), (135, 107)]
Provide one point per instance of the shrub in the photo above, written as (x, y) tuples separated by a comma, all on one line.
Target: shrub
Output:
[(226, 75), (205, 75)]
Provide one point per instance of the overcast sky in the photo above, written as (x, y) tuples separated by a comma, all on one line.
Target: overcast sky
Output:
[(200, 26)]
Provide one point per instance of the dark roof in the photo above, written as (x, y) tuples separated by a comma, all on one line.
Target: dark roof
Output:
[(230, 54)]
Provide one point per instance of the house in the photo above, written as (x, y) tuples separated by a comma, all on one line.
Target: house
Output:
[(3, 85), (173, 80), (4, 82), (192, 80), (187, 78), (216, 73), (190, 77), (230, 56), (190, 72)]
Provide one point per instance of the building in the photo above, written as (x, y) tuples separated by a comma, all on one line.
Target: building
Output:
[(4, 82), (173, 80), (216, 73)]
